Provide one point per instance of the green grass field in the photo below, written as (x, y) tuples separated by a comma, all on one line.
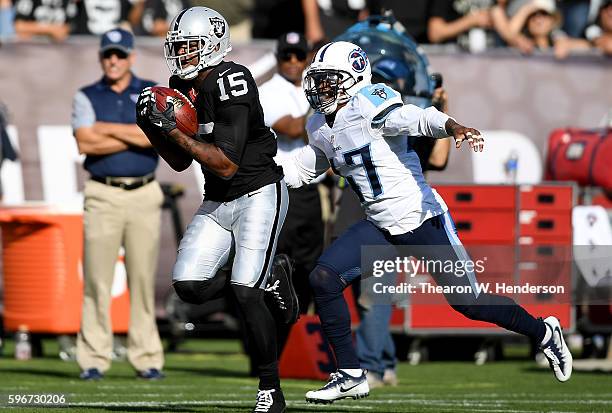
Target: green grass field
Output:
[(211, 376)]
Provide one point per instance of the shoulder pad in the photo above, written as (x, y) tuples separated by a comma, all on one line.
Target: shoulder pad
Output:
[(377, 101), (378, 94)]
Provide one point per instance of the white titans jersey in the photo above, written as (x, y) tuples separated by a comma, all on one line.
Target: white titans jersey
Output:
[(368, 145)]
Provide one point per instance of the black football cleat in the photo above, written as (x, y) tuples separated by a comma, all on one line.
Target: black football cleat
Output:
[(280, 294), (270, 401)]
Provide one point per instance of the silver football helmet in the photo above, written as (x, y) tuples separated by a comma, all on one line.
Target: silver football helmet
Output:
[(196, 31), (337, 72)]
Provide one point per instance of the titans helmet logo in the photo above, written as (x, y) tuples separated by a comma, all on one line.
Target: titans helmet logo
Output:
[(218, 26), (380, 92), (358, 60)]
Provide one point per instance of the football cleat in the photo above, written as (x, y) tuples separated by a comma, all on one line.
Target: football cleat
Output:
[(280, 293), (92, 374), (556, 351), (270, 401), (150, 374), (340, 386)]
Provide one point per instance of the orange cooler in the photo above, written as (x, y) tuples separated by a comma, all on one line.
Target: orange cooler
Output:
[(42, 251)]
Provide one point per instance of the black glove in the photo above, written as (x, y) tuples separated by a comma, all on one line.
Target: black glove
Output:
[(162, 120)]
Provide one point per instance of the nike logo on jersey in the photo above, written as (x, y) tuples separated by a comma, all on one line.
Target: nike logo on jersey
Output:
[(253, 193), (160, 124), (224, 72)]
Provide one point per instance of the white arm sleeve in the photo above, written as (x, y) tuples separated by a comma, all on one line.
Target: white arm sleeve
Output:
[(304, 166), (411, 120)]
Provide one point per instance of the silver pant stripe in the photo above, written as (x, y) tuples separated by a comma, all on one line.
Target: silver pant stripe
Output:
[(246, 229)]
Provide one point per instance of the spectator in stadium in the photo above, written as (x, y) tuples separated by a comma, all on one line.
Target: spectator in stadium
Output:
[(575, 16), (7, 17), (539, 21), (468, 23), (122, 209), (337, 16), (412, 15), (600, 33), (272, 18), (285, 111), (42, 18), (151, 17), (99, 16)]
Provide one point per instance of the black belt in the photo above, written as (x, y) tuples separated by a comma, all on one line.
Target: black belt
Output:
[(127, 183)]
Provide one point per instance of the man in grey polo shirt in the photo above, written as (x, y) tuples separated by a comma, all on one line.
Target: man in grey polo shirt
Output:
[(122, 209)]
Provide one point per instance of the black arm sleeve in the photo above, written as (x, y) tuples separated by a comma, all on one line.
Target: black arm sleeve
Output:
[(232, 130)]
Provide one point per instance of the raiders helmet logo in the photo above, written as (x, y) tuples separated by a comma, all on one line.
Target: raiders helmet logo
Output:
[(218, 26), (380, 92)]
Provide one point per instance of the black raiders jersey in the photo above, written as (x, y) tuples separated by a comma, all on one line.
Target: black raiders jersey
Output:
[(229, 86)]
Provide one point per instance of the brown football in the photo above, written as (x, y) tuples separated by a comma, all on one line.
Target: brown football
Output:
[(184, 111)]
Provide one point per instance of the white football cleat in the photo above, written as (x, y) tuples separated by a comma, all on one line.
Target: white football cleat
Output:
[(556, 351), (340, 386)]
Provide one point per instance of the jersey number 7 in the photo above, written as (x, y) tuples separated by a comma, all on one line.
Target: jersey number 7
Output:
[(366, 162)]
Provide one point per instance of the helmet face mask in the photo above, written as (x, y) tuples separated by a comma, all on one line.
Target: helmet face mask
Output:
[(183, 56), (325, 89), (337, 72), (196, 32)]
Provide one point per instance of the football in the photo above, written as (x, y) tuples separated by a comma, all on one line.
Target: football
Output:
[(184, 111)]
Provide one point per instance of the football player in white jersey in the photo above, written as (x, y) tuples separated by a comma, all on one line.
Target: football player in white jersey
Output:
[(360, 130)]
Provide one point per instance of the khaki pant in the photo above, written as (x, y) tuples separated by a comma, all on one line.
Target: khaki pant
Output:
[(115, 217)]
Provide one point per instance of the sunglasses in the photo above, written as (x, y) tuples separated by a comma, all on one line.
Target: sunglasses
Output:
[(114, 52), (287, 56), (541, 13)]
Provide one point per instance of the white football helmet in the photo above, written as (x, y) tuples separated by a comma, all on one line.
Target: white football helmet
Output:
[(196, 31), (337, 72)]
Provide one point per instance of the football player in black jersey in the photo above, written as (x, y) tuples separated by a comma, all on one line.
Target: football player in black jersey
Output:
[(245, 197)]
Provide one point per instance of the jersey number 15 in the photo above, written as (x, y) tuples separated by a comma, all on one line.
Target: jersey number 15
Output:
[(237, 85)]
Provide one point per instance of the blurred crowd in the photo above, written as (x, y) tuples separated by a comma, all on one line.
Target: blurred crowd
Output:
[(562, 26)]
